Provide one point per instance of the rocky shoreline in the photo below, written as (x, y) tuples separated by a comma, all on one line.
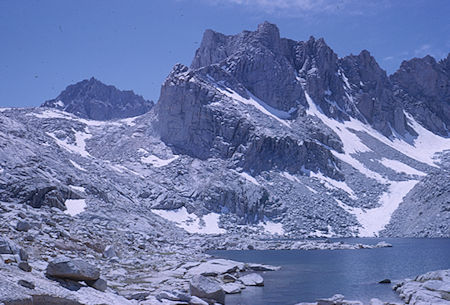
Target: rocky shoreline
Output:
[(431, 288), (50, 257)]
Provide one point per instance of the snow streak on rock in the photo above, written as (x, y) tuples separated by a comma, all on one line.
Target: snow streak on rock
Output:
[(258, 104)]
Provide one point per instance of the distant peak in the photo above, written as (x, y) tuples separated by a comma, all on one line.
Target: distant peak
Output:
[(269, 35), (429, 59), (319, 42), (268, 27), (365, 54), (95, 81)]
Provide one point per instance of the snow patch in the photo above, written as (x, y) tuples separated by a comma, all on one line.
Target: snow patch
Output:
[(273, 227), (295, 179), (352, 143), (120, 168), (317, 233), (249, 178), (75, 206), (422, 148), (115, 167), (334, 184), (77, 166), (311, 189), (208, 224), (345, 79), (290, 177), (129, 121), (58, 114), (276, 114), (52, 114), (80, 143), (360, 167), (374, 220), (77, 188), (60, 103), (401, 167), (158, 162)]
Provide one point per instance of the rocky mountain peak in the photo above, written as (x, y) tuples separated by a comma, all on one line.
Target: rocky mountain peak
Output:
[(269, 28), (215, 46), (368, 61), (423, 86), (94, 81), (92, 99), (446, 63), (317, 43), (366, 66), (315, 54), (247, 57), (278, 71), (268, 35)]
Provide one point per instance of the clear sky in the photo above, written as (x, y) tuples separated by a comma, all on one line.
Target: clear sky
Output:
[(46, 45)]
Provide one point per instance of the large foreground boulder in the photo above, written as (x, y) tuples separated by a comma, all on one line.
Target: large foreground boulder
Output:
[(206, 288), (252, 279), (429, 288), (215, 267), (77, 270)]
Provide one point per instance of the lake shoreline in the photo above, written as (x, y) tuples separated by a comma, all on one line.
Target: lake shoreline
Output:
[(407, 258)]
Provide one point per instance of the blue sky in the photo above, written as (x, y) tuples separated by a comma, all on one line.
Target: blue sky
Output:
[(48, 44)]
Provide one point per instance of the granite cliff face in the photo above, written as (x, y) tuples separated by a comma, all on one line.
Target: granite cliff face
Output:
[(196, 116), (91, 99), (265, 104), (423, 86), (278, 71), (260, 134)]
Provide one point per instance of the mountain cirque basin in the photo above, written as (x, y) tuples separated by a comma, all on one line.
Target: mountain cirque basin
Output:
[(261, 143)]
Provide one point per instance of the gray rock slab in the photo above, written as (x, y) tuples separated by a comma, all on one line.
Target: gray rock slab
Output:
[(77, 270)]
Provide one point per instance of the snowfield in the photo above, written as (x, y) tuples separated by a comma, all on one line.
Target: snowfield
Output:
[(423, 148), (272, 227), (249, 178), (79, 147), (75, 206), (154, 160), (207, 224), (400, 167), (334, 184), (374, 220)]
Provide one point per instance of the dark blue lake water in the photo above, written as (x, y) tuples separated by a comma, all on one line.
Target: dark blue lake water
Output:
[(308, 275)]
